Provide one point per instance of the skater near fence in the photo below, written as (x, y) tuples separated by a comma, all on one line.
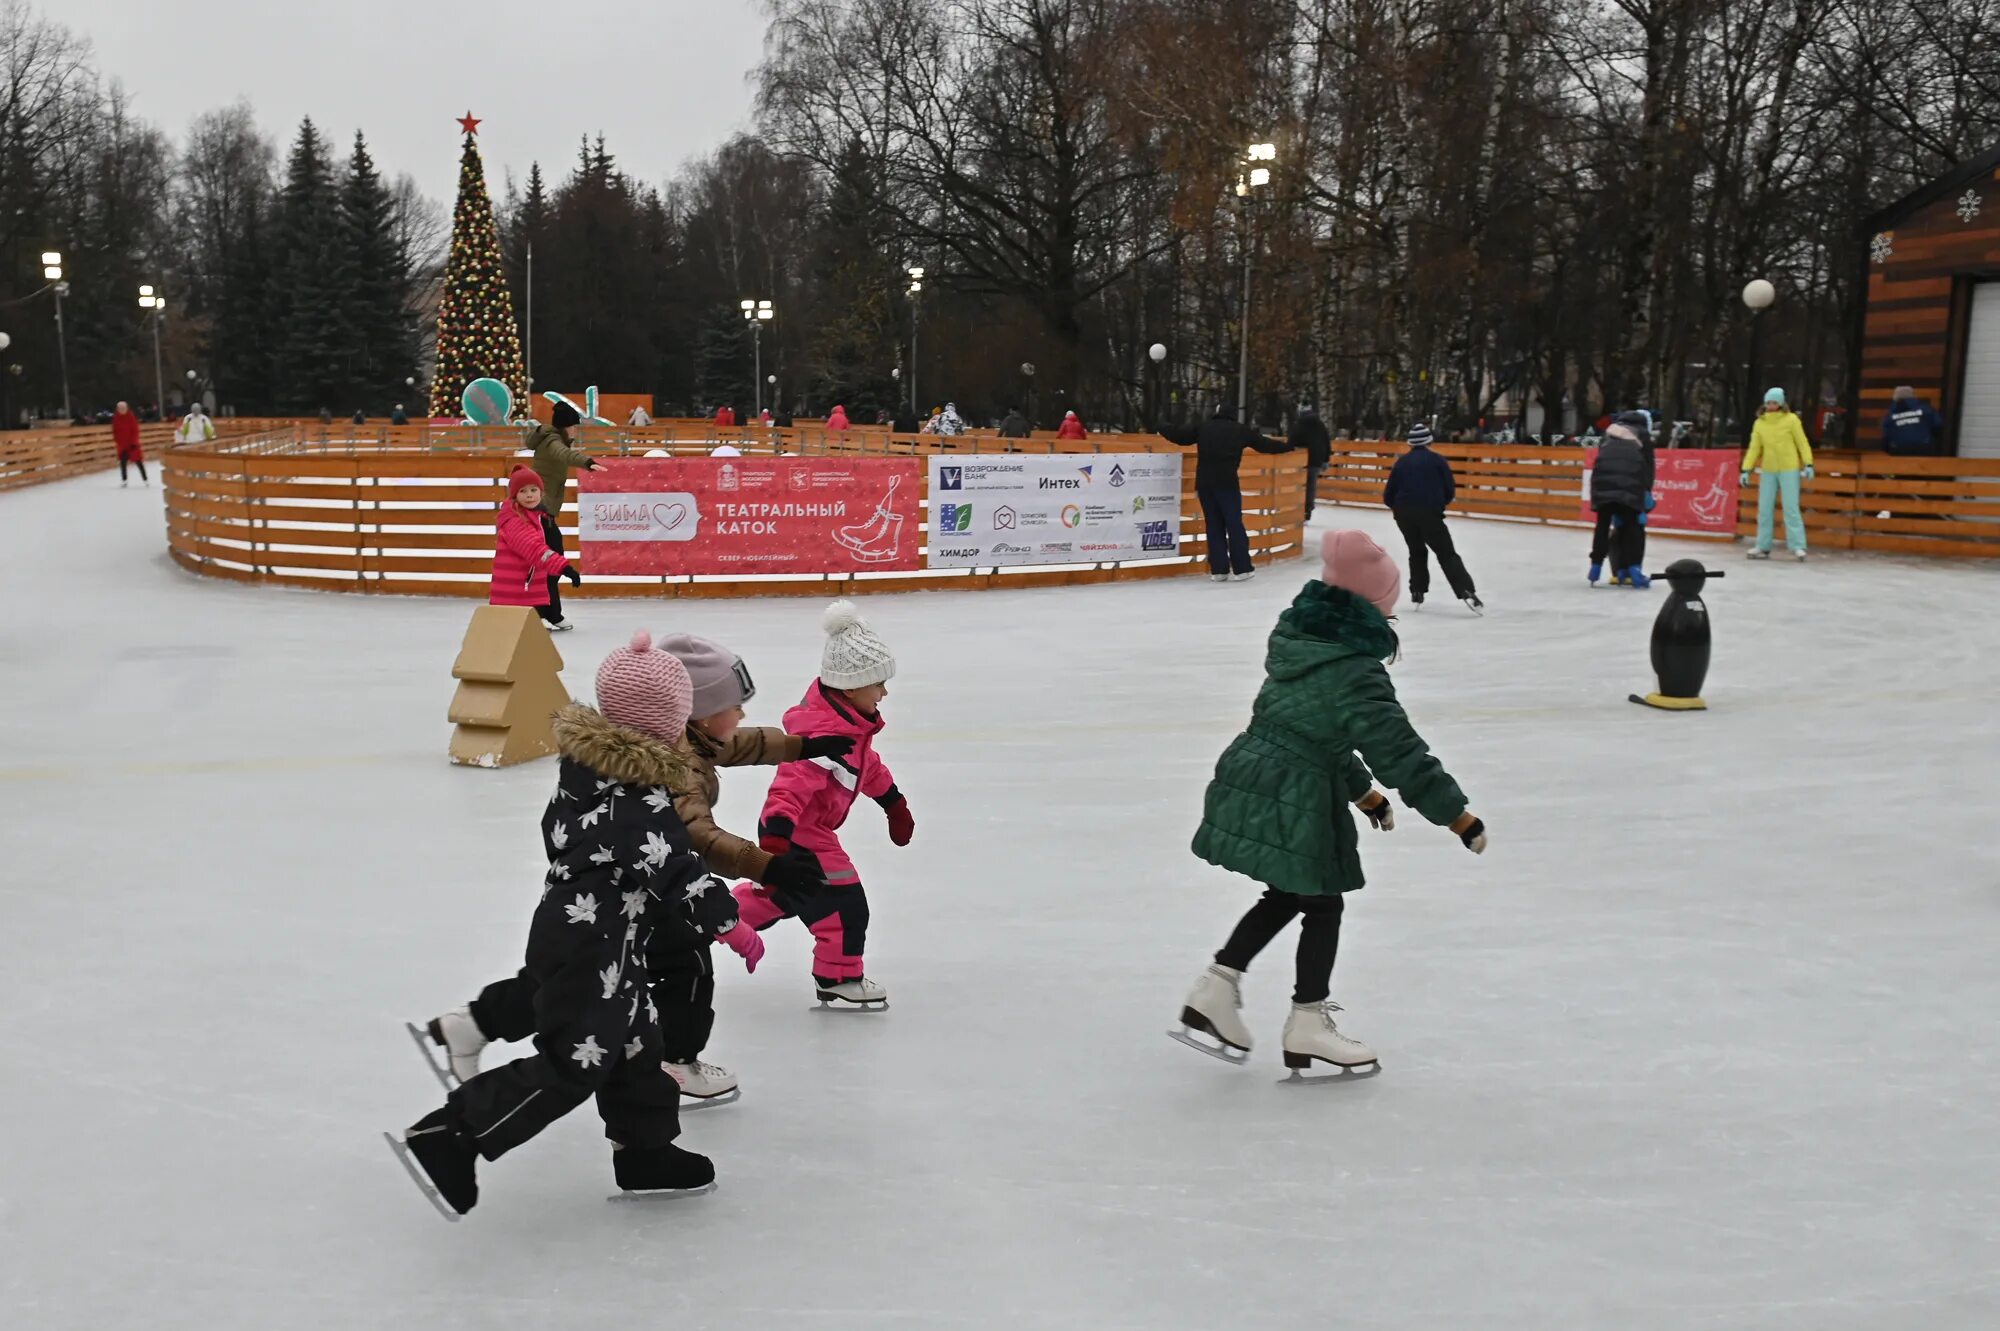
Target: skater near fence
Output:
[(1781, 457), (1277, 809), (1419, 489), (525, 567), (1621, 490), (125, 435), (1219, 443), (553, 457), (810, 800)]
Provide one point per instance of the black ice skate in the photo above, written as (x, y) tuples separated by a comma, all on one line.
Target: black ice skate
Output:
[(441, 1162), (662, 1173)]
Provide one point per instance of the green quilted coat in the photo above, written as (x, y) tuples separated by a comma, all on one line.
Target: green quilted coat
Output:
[(1277, 809)]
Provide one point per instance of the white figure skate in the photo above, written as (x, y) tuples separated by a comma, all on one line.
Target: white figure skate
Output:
[(862, 995), (459, 1037), (1311, 1036), (1214, 1008), (705, 1085)]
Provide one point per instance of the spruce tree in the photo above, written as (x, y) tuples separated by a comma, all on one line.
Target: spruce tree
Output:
[(378, 294), (311, 275), (476, 333), (855, 337)]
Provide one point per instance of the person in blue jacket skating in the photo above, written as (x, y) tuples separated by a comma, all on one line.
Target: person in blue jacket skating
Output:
[(1420, 487)]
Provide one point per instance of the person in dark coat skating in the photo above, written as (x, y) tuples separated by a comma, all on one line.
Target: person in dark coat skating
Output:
[(619, 869), (1219, 442), (1310, 433), (1420, 488), (1621, 489)]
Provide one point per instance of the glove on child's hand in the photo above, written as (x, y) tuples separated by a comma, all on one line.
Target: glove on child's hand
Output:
[(575, 578), (795, 871), (902, 825), (826, 746), (746, 943), (1471, 832), (1376, 805), (775, 836), (1809, 473), (1743, 479)]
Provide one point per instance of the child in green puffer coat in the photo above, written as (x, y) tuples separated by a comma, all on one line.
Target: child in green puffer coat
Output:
[(1277, 808)]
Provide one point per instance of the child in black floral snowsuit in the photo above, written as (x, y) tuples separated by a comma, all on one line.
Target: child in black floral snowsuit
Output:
[(619, 867)]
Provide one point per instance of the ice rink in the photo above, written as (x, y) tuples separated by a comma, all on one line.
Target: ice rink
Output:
[(1704, 1041)]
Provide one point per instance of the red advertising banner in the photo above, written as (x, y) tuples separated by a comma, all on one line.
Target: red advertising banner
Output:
[(746, 515), (1695, 487)]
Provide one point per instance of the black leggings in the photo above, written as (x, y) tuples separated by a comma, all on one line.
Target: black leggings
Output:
[(552, 612), (140, 463), (1319, 939)]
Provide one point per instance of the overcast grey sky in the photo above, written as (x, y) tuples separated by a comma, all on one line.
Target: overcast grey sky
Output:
[(663, 79)]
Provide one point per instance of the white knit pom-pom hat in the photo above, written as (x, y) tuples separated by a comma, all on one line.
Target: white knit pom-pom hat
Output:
[(854, 657)]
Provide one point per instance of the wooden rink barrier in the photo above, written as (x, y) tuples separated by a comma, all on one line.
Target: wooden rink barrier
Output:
[(36, 457), (409, 510), (1856, 501)]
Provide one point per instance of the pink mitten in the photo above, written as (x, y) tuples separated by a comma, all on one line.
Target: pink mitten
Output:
[(746, 943)]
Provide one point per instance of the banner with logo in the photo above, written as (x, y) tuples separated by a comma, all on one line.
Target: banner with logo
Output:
[(1695, 487), (751, 515), (1063, 508)]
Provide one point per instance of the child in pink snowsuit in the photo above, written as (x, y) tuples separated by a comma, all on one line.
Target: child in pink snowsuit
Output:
[(810, 798)]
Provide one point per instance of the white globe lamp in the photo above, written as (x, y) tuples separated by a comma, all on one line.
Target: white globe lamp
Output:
[(1758, 294)]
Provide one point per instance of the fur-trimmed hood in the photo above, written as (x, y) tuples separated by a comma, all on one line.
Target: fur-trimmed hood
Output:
[(587, 736)]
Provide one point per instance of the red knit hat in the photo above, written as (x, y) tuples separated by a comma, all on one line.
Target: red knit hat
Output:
[(1351, 560), (645, 690), (519, 479)]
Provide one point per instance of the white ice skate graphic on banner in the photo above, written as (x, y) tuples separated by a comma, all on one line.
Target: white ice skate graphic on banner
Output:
[(880, 539)]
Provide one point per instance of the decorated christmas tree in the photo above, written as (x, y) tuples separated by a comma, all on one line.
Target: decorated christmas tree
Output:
[(476, 335)]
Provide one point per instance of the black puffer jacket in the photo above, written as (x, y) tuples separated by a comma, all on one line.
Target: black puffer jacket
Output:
[(617, 847), (1624, 471), (1310, 433), (1218, 443)]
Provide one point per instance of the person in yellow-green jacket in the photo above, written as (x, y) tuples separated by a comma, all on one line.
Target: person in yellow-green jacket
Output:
[(1780, 456)]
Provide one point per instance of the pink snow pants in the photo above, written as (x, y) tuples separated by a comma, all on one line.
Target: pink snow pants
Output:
[(838, 921)]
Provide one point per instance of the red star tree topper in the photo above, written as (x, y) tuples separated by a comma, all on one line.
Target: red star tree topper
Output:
[(477, 337)]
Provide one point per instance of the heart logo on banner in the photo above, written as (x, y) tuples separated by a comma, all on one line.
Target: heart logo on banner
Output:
[(670, 516)]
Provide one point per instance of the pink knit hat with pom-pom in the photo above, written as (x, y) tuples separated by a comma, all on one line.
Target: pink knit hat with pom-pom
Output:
[(1351, 560), (644, 689)]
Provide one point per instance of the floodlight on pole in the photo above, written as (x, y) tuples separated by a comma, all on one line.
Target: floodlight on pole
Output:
[(757, 313)]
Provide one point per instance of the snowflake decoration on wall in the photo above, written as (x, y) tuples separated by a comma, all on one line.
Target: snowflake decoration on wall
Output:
[(1968, 205), (1884, 245)]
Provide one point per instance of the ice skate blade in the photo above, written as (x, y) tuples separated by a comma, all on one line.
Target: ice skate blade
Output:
[(728, 1097), (828, 1004), (1341, 1072), (1232, 1056), (661, 1194), (421, 1179), (432, 1053)]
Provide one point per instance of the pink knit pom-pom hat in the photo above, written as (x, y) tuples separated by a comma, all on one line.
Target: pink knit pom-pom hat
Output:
[(1351, 560), (645, 689)]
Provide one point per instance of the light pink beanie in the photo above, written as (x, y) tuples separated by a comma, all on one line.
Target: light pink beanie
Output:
[(1351, 560), (646, 690)]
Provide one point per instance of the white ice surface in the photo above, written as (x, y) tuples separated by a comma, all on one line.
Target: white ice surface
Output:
[(1705, 1041)]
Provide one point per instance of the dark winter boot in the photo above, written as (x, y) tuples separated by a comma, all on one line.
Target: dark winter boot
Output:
[(447, 1158), (661, 1169)]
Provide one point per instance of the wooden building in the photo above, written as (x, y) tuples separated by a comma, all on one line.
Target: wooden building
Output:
[(1932, 317)]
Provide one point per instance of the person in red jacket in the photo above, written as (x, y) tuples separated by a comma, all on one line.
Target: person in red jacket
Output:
[(1071, 427), (837, 421), (125, 434), (523, 564), (725, 417)]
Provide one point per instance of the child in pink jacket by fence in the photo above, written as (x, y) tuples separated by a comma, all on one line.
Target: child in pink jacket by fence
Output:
[(523, 564), (810, 798)]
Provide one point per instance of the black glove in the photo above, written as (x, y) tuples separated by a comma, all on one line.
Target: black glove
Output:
[(1381, 812), (794, 878), (1474, 837), (575, 578), (826, 746)]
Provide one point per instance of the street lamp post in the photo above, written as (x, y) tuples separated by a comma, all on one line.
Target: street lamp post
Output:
[(52, 270), (1255, 178), (1758, 296), (1028, 373), (758, 313), (1158, 354), (149, 300), (916, 318)]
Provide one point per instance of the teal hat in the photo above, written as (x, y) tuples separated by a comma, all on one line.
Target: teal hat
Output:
[(1775, 397)]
